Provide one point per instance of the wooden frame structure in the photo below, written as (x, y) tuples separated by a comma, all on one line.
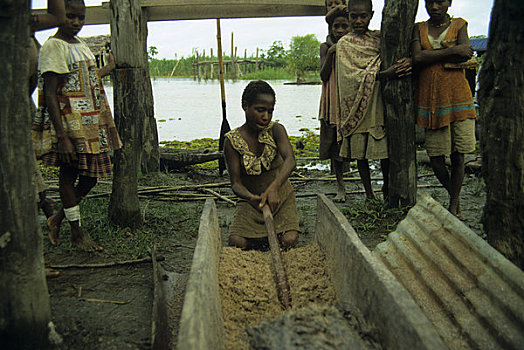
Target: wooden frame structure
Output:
[(169, 10)]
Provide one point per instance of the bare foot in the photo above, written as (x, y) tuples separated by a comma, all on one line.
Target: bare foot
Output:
[(50, 273), (84, 243), (340, 197), (47, 207), (53, 223), (454, 207)]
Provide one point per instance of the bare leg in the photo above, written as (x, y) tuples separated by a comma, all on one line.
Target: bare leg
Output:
[(45, 204), (66, 185), (438, 165), (384, 165), (289, 239), (455, 182), (341, 189), (363, 170)]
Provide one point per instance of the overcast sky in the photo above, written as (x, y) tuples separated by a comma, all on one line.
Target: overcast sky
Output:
[(182, 37)]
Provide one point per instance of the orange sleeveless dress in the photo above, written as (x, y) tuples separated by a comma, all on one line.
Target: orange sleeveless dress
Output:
[(442, 96)]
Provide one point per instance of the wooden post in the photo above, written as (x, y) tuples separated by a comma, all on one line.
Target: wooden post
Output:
[(245, 59), (224, 127), (235, 63), (233, 72), (198, 65), (256, 61), (132, 104), (205, 63), (212, 66), (501, 100), (398, 17), (24, 301)]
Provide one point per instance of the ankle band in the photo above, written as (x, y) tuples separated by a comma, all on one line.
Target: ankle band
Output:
[(73, 214)]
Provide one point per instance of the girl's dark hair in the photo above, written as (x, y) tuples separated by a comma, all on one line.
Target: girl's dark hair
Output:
[(343, 2), (337, 13), (367, 3), (71, 2), (255, 88)]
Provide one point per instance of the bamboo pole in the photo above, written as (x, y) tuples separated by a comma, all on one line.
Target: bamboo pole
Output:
[(224, 128)]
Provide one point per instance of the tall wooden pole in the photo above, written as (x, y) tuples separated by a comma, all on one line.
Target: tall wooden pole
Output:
[(24, 300), (133, 101), (398, 18), (224, 128), (501, 99)]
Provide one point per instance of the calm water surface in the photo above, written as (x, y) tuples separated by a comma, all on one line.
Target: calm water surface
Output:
[(187, 110)]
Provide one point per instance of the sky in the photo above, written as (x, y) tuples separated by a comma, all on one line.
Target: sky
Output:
[(183, 37)]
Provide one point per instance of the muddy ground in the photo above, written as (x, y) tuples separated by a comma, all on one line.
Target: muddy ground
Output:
[(110, 308)]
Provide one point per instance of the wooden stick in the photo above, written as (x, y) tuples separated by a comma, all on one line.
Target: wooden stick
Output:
[(283, 290), (101, 265), (105, 301), (218, 195)]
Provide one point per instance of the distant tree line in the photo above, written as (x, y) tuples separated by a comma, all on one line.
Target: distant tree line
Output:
[(301, 58)]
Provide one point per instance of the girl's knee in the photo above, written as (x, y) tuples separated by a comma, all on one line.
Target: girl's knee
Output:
[(289, 239), (237, 241)]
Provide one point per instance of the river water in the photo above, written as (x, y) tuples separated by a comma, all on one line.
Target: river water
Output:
[(186, 109)]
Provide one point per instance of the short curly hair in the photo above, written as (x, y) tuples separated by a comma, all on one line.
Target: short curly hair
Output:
[(335, 14), (367, 3), (68, 3), (255, 88)]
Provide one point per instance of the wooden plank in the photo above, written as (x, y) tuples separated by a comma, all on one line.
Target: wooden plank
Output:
[(359, 278), (170, 10)]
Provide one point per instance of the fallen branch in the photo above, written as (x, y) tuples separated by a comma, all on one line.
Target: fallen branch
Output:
[(105, 301), (101, 265), (218, 195)]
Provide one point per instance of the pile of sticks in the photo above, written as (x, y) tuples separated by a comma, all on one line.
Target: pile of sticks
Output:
[(220, 191)]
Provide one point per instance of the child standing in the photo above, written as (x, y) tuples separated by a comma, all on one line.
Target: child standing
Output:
[(329, 147), (331, 5), (443, 100), (73, 128), (259, 159), (54, 17), (361, 123)]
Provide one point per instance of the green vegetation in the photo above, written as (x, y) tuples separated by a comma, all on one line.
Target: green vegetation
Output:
[(301, 61)]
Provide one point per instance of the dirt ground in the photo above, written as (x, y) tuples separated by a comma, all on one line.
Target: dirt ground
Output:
[(110, 308)]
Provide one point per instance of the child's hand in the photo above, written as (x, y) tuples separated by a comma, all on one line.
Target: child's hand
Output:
[(255, 202), (403, 67), (465, 51), (271, 198), (66, 150), (332, 49), (111, 60)]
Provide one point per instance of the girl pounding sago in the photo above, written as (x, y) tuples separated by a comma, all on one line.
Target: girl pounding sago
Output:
[(259, 160)]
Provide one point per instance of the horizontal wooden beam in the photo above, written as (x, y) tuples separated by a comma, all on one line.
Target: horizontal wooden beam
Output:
[(171, 10)]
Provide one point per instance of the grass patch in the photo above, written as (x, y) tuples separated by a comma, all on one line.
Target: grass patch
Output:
[(374, 218)]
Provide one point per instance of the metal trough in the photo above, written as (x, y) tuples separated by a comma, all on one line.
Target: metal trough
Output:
[(358, 277), (471, 293)]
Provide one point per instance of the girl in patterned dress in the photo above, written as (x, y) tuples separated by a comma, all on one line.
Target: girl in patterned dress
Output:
[(73, 127), (259, 160), (443, 101)]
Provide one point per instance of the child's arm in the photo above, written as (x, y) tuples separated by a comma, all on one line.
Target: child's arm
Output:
[(54, 17), (326, 60), (400, 69), (270, 195), (234, 169), (459, 53), (66, 149), (105, 70)]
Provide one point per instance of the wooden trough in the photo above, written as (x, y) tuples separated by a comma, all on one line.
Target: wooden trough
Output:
[(358, 278)]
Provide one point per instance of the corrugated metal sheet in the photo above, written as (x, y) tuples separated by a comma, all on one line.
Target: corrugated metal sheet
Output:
[(470, 292), (479, 44)]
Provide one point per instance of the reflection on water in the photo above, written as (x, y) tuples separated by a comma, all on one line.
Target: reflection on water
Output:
[(186, 109)]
